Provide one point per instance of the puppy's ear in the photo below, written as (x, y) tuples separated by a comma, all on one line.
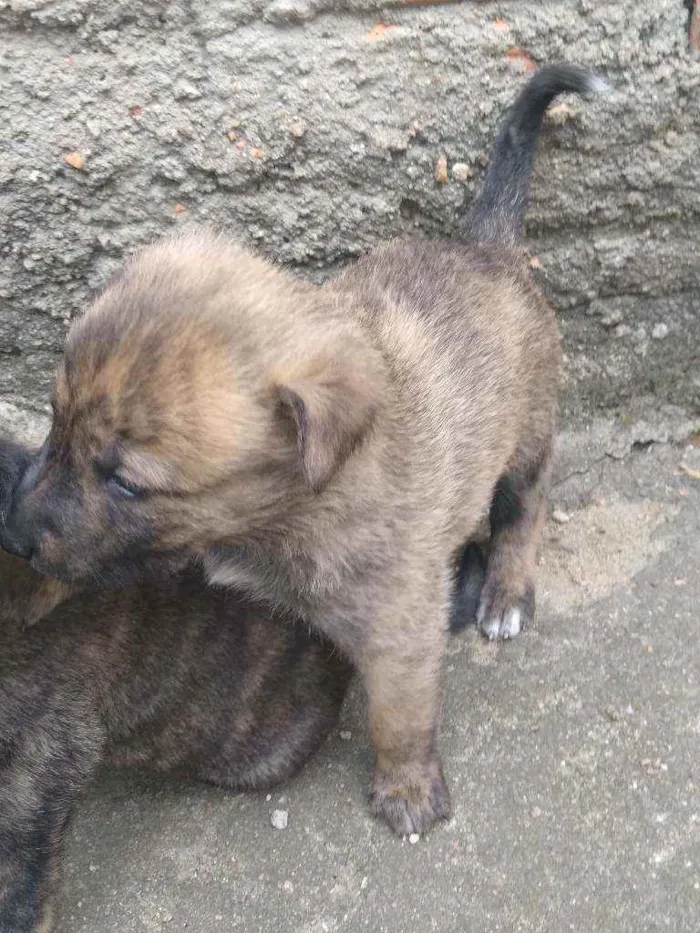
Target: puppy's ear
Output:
[(333, 404)]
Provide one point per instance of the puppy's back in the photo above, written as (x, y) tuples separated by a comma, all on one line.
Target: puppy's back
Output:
[(475, 348), (180, 675)]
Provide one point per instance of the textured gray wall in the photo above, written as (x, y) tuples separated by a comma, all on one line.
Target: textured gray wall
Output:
[(312, 130)]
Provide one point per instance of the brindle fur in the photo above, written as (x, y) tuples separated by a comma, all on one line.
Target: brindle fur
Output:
[(184, 678), (178, 677), (325, 449)]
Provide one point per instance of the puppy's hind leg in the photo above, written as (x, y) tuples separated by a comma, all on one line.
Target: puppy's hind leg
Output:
[(517, 517)]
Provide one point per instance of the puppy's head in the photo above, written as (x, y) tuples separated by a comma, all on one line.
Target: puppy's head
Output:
[(201, 398)]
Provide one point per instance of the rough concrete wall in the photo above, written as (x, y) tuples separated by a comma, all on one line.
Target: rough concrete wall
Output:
[(312, 129)]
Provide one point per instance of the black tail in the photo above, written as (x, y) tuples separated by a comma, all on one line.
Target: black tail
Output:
[(498, 214)]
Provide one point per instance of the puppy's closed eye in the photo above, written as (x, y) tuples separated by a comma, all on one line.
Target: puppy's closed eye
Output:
[(121, 487), (110, 469)]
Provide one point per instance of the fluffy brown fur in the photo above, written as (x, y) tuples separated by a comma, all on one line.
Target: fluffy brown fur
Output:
[(325, 449)]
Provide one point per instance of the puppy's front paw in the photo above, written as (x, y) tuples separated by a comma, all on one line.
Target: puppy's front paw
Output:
[(503, 615), (411, 798)]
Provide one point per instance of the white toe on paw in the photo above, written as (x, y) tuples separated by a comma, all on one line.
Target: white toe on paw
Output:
[(506, 625), (510, 624)]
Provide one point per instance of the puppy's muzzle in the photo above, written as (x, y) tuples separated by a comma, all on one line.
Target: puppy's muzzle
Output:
[(15, 537), (23, 524), (23, 530), (18, 544)]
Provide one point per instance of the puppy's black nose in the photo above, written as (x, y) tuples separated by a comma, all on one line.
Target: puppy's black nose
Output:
[(17, 546)]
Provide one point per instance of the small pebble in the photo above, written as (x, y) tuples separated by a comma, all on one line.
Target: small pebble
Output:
[(413, 838), (535, 813), (346, 735), (297, 129), (279, 819), (560, 114), (75, 160), (441, 170), (289, 11), (184, 90), (462, 172), (560, 517), (660, 331), (288, 886)]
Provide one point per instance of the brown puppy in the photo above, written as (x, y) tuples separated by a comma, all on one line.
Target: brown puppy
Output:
[(327, 450), (177, 676)]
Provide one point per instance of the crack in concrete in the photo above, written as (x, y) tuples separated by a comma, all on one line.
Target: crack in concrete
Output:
[(585, 471)]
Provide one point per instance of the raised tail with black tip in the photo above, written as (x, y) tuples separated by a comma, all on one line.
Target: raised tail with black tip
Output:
[(497, 215)]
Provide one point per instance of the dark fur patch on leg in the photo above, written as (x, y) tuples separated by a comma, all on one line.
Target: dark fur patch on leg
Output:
[(517, 517), (506, 504), (468, 586), (507, 501)]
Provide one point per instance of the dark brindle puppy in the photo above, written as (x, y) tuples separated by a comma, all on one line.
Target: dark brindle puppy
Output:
[(177, 676), (325, 449)]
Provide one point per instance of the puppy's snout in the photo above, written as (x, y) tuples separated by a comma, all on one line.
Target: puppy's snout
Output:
[(17, 545), (22, 532)]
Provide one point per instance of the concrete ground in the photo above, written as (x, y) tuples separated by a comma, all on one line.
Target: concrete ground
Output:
[(573, 756)]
